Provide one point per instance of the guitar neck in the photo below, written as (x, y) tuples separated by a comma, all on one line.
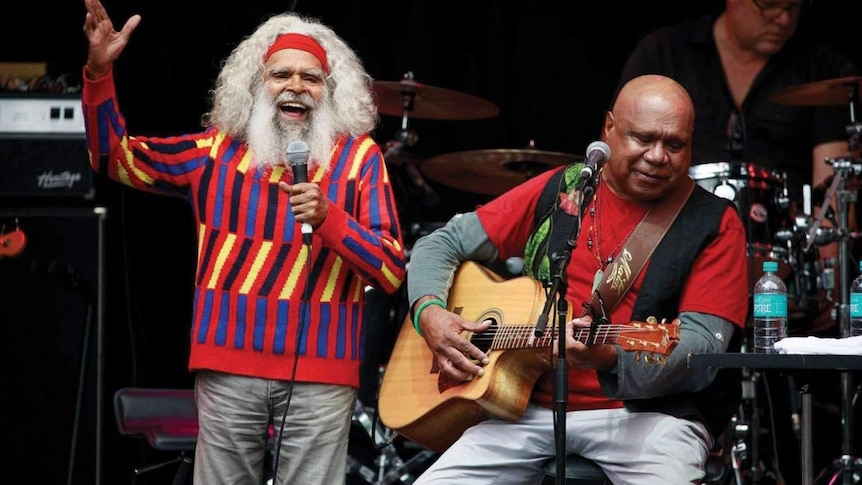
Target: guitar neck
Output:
[(509, 337)]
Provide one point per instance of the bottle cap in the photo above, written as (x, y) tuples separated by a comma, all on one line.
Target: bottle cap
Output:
[(770, 266)]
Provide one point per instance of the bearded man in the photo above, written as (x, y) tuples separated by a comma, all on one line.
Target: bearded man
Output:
[(277, 331)]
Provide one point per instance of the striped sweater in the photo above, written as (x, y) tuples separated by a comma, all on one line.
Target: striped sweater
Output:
[(260, 298)]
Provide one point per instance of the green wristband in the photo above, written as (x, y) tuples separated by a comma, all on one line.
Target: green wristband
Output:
[(423, 306)]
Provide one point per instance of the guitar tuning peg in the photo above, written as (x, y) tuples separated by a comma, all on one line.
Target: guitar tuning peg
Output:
[(651, 319), (649, 359), (662, 360), (637, 357)]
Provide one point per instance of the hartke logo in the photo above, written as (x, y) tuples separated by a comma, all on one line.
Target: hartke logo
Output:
[(65, 179)]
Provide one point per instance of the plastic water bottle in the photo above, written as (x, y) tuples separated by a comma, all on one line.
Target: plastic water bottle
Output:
[(770, 309), (856, 305)]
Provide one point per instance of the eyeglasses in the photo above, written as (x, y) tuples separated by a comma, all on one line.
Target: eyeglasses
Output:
[(771, 10)]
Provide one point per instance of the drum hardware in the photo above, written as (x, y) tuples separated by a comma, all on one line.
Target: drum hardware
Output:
[(839, 91), (394, 154), (493, 172), (408, 96), (375, 451), (809, 274), (761, 198), (819, 93), (846, 466), (746, 430), (389, 467), (725, 190), (774, 232), (404, 138)]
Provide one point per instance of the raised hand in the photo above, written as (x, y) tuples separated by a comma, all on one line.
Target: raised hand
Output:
[(106, 44)]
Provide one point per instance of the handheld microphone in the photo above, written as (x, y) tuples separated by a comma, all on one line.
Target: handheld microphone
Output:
[(598, 152), (297, 156)]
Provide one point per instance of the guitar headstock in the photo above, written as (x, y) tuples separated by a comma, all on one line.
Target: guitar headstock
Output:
[(12, 243), (656, 340)]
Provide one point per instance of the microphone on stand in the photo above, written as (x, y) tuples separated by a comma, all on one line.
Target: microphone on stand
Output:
[(297, 156), (598, 152)]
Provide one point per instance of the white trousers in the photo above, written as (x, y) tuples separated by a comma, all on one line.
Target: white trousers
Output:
[(632, 448)]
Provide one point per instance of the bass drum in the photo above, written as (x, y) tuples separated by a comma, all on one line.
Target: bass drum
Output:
[(761, 198)]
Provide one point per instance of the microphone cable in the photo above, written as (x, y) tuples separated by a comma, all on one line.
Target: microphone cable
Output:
[(303, 322)]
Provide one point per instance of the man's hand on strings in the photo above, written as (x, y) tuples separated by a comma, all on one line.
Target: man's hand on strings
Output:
[(443, 332)]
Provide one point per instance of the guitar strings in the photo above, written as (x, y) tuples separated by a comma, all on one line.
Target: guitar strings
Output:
[(522, 335)]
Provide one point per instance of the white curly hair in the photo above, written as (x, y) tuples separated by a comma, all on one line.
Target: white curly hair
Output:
[(348, 84)]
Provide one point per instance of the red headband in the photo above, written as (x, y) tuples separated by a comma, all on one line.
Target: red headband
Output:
[(301, 42)]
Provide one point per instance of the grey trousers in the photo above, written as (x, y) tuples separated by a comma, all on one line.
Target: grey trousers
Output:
[(240, 415), (632, 448)]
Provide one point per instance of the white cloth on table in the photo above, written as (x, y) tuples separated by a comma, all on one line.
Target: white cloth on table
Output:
[(820, 345)]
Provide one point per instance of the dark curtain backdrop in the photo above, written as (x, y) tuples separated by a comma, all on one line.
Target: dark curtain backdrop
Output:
[(550, 66)]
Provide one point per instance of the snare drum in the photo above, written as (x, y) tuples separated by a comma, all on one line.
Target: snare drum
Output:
[(760, 196)]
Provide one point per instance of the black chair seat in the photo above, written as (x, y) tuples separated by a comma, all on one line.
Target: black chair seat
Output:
[(167, 418), (579, 470)]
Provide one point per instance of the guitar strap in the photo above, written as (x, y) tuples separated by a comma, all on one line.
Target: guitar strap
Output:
[(638, 248)]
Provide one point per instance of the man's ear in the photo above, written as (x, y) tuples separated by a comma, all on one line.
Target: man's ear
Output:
[(608, 126)]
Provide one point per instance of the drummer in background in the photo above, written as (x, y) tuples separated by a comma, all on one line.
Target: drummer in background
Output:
[(731, 63)]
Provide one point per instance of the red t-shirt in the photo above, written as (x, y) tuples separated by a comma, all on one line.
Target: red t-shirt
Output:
[(508, 221)]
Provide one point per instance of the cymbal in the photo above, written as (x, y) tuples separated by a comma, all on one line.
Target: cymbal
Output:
[(423, 101), (819, 93), (492, 172)]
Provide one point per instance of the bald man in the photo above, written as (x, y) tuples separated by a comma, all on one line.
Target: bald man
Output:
[(642, 423)]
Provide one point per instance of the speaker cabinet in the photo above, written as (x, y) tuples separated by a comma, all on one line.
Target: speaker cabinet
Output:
[(48, 166), (51, 327)]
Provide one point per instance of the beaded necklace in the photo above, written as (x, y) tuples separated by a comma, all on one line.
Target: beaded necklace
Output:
[(594, 236)]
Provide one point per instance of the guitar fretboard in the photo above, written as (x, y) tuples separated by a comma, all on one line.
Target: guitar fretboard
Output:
[(521, 336)]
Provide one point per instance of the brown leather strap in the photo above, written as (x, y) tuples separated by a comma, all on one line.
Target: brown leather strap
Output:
[(638, 248)]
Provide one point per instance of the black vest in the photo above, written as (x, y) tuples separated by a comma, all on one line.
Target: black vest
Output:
[(693, 230)]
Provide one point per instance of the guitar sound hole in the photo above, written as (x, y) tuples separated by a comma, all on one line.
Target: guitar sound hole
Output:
[(485, 340)]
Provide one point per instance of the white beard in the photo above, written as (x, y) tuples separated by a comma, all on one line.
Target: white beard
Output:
[(269, 135)]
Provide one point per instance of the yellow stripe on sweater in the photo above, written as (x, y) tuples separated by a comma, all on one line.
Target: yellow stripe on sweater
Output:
[(329, 289), (255, 267), (293, 277), (223, 254)]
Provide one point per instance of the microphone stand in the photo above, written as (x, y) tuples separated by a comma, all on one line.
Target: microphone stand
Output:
[(558, 293)]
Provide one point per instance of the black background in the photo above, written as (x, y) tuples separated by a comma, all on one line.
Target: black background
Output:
[(550, 66)]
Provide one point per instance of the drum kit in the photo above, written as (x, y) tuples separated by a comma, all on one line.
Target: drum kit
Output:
[(777, 231), (486, 172), (776, 227)]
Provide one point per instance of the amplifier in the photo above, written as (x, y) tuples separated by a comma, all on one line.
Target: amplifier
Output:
[(45, 167), (43, 152)]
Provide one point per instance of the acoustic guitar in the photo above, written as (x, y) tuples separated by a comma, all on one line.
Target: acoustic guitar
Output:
[(418, 403)]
